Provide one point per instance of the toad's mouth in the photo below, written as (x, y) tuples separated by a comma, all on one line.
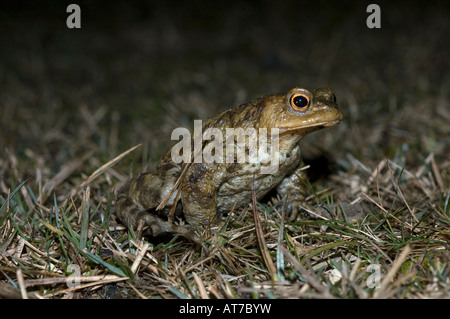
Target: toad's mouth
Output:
[(330, 118), (310, 127)]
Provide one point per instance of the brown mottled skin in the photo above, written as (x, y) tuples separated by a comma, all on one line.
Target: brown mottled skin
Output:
[(208, 190)]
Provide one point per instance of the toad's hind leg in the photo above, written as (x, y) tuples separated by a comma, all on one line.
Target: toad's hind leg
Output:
[(135, 201)]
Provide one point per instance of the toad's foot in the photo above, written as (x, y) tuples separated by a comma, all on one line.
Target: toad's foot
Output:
[(343, 211), (132, 216), (293, 209)]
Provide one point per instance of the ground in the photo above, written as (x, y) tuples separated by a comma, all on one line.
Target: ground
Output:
[(73, 101)]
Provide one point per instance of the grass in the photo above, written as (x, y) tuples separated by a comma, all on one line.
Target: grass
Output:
[(71, 113), (321, 258)]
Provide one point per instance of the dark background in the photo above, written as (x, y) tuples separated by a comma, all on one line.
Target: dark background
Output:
[(138, 69)]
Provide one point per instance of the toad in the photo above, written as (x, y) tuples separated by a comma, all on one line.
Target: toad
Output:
[(203, 191)]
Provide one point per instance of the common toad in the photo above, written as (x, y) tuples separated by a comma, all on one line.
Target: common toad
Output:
[(203, 191)]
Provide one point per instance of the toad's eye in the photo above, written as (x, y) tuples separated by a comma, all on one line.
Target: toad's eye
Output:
[(299, 101)]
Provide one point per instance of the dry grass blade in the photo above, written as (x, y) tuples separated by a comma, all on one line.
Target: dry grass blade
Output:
[(400, 193), (306, 274), (385, 212), (437, 174), (13, 162), (20, 282), (210, 257), (62, 175), (70, 280), (174, 187), (9, 292), (383, 290), (260, 237), (141, 251), (201, 286), (140, 294), (84, 218), (105, 281), (100, 171)]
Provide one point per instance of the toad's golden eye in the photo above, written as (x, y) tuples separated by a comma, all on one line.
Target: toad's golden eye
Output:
[(299, 101)]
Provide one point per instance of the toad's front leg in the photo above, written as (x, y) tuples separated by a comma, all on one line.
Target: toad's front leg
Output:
[(199, 195), (294, 186)]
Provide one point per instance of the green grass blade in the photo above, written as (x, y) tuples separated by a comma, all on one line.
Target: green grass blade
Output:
[(13, 193), (96, 259)]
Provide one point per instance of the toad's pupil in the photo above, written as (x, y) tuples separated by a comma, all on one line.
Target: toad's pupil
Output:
[(300, 101)]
